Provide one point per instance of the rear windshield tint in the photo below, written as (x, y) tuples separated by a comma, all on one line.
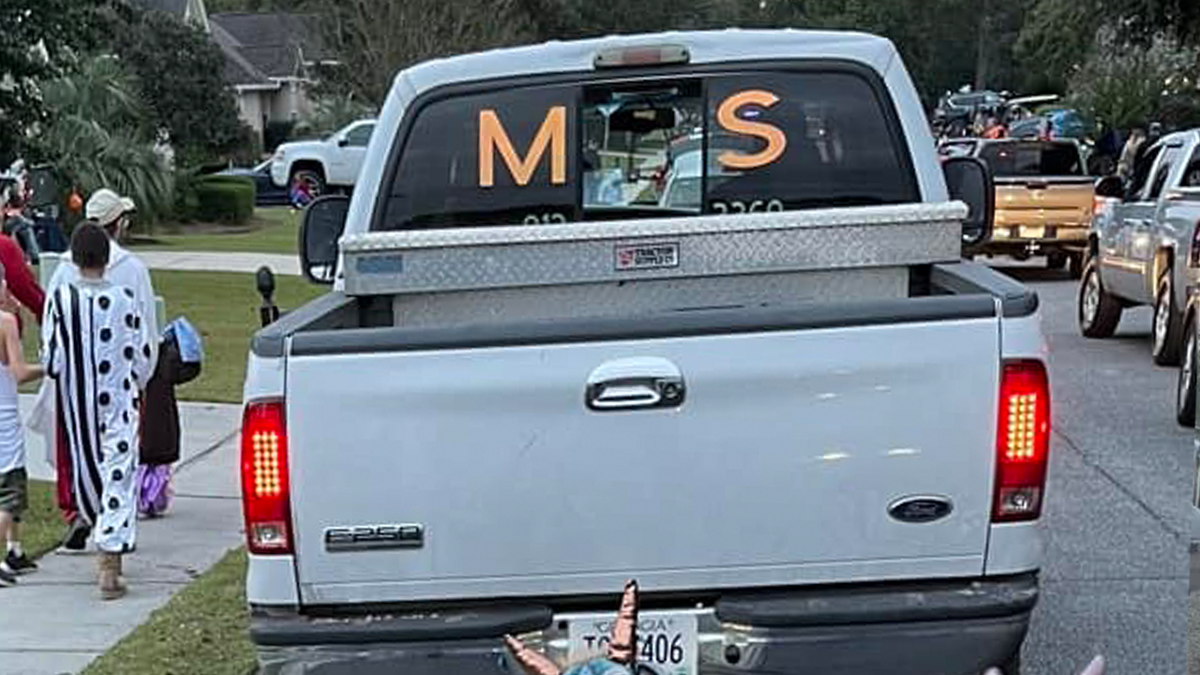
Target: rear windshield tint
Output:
[(749, 142), (1033, 158)]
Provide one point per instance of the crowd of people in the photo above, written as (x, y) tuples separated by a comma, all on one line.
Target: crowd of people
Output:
[(106, 405)]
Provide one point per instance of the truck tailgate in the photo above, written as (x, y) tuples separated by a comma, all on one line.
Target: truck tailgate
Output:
[(778, 467), (1043, 201)]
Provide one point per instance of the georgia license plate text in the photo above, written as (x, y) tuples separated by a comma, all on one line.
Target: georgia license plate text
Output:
[(666, 641)]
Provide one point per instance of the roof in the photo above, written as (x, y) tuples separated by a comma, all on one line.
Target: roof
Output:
[(265, 46), (703, 46), (238, 70)]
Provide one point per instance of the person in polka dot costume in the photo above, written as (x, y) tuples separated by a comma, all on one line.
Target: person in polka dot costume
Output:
[(94, 348)]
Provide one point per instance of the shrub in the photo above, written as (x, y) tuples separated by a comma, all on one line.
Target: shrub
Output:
[(225, 199)]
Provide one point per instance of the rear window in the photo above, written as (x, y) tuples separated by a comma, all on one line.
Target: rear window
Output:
[(749, 142), (1033, 158)]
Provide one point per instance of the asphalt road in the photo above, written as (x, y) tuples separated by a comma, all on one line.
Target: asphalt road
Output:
[(1117, 528)]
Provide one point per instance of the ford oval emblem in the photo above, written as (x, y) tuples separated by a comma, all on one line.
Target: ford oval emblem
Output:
[(923, 509)]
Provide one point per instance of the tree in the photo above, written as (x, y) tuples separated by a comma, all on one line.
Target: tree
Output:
[(1127, 84), (376, 38), (1058, 35), (97, 135), (39, 39), (180, 73)]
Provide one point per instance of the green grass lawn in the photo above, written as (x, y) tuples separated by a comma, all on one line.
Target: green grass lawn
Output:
[(203, 629), (42, 526), (223, 306), (272, 230)]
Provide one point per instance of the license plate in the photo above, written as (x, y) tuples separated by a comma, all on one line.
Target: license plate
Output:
[(665, 640), (1033, 232)]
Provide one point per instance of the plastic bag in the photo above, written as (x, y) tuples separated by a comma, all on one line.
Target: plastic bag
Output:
[(155, 493)]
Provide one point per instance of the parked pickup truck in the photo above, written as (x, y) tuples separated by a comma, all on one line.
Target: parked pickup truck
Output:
[(332, 162), (1143, 245), (1043, 200), (779, 399)]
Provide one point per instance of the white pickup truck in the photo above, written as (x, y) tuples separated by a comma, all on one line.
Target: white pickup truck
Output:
[(332, 162), (777, 399)]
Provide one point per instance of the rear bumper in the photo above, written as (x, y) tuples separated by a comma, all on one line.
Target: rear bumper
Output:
[(1006, 245), (954, 627)]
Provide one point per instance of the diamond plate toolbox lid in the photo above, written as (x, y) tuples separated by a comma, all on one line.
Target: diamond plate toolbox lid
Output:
[(422, 261)]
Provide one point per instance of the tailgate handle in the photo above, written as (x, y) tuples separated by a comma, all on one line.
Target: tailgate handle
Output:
[(634, 384)]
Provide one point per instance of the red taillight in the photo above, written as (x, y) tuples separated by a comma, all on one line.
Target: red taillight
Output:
[(1098, 205), (1023, 442), (265, 499)]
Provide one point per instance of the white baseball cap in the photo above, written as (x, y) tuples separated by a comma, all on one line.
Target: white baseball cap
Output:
[(105, 206)]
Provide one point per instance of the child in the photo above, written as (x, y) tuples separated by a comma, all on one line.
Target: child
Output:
[(301, 193), (13, 481), (94, 347)]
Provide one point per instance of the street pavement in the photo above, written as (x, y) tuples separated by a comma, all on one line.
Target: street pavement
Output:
[(1116, 522), (54, 622)]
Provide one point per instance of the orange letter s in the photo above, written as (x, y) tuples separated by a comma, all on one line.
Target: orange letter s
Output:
[(727, 118)]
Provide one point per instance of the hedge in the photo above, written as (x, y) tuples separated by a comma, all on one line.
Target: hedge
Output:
[(225, 199)]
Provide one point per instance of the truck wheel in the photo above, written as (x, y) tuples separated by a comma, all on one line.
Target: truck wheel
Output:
[(1185, 398), (1075, 265), (1099, 312), (1056, 261), (1166, 328)]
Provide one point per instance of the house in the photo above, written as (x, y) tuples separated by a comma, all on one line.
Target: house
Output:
[(270, 58)]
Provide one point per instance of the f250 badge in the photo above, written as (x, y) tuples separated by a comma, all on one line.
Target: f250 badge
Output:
[(631, 257), (367, 537)]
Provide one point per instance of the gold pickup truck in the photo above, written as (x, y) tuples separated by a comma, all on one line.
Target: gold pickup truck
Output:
[(1044, 198)]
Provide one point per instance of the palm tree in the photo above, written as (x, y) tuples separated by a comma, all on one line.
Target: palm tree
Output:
[(98, 136)]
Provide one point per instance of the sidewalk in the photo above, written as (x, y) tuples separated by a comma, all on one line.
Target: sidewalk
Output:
[(54, 620), (206, 261)]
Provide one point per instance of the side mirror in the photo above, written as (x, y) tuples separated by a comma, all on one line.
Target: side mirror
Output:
[(343, 142), (969, 180), (320, 228), (1111, 187)]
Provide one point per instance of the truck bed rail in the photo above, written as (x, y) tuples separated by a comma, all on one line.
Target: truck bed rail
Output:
[(439, 260)]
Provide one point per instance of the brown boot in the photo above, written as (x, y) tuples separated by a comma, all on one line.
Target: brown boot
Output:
[(111, 587)]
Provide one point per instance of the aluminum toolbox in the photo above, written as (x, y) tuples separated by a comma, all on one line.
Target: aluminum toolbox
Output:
[(468, 274)]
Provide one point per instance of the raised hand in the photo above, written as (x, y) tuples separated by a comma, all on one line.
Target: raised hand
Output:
[(622, 644)]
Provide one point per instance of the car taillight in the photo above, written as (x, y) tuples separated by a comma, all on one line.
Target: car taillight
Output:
[(265, 501), (1098, 205), (1023, 442), (1194, 255)]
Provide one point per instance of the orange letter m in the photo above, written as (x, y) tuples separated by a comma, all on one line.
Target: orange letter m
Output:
[(553, 133)]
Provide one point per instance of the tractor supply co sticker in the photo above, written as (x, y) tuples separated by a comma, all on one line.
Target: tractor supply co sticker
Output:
[(632, 257)]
